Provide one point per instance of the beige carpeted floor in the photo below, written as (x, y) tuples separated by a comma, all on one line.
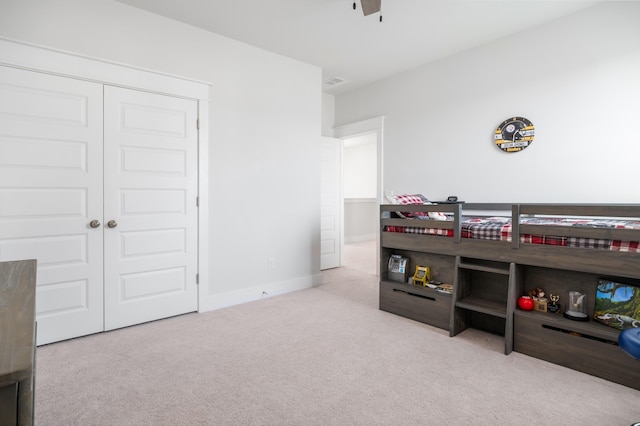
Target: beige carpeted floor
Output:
[(322, 356)]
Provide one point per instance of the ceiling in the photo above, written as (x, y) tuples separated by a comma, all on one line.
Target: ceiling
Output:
[(359, 49)]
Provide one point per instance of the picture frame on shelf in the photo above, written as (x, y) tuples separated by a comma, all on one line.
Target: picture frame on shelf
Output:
[(617, 303)]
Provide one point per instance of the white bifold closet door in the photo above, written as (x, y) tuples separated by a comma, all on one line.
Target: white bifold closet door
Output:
[(150, 192), (65, 143), (50, 189)]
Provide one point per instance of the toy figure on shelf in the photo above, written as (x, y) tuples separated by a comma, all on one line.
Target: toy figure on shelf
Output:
[(422, 275), (539, 301)]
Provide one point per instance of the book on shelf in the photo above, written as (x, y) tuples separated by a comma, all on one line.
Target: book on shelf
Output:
[(445, 288)]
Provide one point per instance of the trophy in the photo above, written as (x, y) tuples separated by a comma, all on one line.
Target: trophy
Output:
[(553, 307)]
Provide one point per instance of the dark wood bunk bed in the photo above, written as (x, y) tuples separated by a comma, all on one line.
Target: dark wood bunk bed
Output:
[(556, 247)]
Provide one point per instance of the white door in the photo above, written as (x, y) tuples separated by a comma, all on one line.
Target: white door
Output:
[(330, 204), (150, 188), (50, 191)]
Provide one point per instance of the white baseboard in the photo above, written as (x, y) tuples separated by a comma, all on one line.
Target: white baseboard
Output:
[(251, 294)]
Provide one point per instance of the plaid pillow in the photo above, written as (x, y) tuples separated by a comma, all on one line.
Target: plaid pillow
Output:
[(408, 199)]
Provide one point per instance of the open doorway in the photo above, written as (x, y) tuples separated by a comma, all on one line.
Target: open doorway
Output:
[(359, 171), (360, 204), (362, 184)]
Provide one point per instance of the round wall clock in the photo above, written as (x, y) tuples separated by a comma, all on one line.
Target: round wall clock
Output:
[(514, 134)]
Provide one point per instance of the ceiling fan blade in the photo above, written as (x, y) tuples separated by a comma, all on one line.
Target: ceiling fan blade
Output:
[(370, 6)]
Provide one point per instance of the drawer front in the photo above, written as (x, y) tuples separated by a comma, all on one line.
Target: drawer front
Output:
[(554, 343), (9, 404), (416, 304)]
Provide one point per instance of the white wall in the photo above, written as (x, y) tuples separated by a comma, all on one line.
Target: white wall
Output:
[(361, 220), (328, 114), (575, 78), (265, 123), (359, 167)]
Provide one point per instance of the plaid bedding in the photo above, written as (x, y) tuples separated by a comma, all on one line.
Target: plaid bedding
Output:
[(490, 228), (499, 229), (426, 231)]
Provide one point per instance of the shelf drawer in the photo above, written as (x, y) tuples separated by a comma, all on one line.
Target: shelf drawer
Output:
[(420, 304), (557, 342)]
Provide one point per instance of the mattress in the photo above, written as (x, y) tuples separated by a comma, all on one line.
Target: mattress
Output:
[(498, 228)]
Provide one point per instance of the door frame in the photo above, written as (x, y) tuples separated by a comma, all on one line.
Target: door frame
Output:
[(370, 126), (22, 55)]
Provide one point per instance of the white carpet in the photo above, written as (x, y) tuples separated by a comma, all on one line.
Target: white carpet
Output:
[(323, 356)]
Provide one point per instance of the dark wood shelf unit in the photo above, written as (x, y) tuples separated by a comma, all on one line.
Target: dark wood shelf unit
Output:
[(488, 277), (18, 341), (417, 290), (416, 302), (590, 329), (491, 267), (487, 288), (485, 306), (588, 347)]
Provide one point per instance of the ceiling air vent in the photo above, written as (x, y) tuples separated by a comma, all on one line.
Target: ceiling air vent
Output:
[(333, 81)]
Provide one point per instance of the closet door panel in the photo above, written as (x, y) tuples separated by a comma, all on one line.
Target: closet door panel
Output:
[(150, 193), (50, 191)]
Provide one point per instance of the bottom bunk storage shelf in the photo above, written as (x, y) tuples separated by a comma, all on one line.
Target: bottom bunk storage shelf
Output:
[(555, 340), (485, 306), (417, 303)]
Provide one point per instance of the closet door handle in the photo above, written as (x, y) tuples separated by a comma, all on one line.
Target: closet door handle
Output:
[(112, 224), (94, 223)]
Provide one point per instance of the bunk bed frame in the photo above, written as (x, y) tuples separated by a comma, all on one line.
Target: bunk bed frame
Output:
[(488, 276), (625, 264)]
